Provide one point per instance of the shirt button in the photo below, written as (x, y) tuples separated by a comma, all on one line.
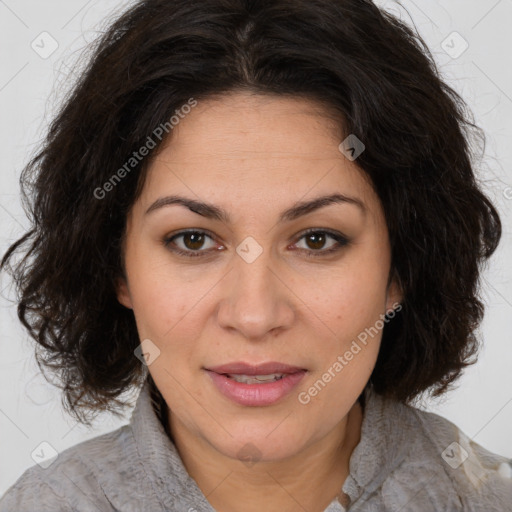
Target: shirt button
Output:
[(505, 469)]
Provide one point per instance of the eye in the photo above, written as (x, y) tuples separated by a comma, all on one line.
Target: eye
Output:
[(316, 238), (192, 243)]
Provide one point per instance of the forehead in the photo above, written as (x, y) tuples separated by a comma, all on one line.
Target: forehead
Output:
[(258, 150), (255, 125)]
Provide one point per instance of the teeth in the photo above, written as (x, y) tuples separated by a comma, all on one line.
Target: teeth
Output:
[(256, 379)]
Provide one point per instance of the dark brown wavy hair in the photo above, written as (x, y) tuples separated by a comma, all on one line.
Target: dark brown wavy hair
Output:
[(360, 62)]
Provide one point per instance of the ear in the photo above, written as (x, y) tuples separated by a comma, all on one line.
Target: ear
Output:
[(394, 295), (123, 293)]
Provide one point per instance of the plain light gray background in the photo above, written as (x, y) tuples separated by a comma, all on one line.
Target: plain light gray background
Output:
[(31, 83)]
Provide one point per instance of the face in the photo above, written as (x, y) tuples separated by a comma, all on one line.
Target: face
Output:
[(255, 284)]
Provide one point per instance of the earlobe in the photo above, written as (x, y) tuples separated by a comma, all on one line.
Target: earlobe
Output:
[(123, 293)]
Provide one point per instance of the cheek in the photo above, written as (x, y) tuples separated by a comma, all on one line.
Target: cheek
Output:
[(163, 295), (170, 316), (348, 299)]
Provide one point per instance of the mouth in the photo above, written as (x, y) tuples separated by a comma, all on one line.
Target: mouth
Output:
[(255, 370), (254, 379), (255, 385)]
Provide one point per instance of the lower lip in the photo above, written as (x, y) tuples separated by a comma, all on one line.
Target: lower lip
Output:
[(256, 394)]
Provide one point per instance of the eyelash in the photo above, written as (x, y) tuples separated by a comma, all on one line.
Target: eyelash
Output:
[(341, 243)]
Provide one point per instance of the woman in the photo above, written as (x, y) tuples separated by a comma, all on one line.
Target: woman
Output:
[(264, 214)]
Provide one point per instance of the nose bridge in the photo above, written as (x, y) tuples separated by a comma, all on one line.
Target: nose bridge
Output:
[(254, 275), (256, 301)]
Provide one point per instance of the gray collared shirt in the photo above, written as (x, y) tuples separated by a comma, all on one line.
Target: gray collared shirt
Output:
[(407, 460)]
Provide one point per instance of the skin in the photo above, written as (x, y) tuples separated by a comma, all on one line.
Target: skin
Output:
[(256, 156)]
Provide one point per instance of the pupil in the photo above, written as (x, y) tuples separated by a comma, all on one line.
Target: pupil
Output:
[(320, 239), (197, 239)]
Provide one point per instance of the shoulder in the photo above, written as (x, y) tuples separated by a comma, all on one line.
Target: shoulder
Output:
[(80, 478), (442, 463)]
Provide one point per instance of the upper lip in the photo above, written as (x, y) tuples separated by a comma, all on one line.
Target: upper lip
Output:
[(241, 368)]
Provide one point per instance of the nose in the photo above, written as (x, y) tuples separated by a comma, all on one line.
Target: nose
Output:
[(256, 300)]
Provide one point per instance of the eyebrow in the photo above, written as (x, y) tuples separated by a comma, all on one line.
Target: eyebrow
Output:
[(299, 209)]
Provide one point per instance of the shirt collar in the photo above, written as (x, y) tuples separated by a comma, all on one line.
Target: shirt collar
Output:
[(172, 485), (381, 448)]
